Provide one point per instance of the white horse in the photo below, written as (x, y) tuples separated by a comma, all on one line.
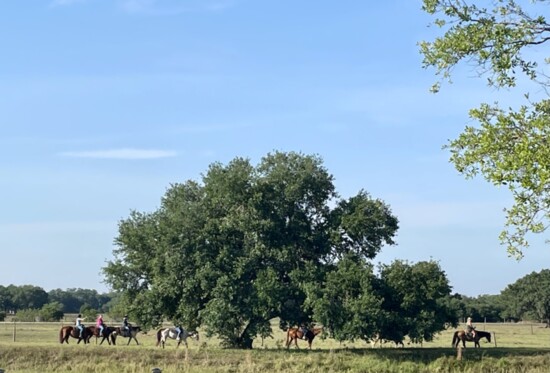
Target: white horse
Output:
[(165, 333)]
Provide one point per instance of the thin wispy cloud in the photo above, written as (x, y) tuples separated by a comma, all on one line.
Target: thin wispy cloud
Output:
[(210, 128), (172, 7), (56, 3), (125, 153), (160, 7)]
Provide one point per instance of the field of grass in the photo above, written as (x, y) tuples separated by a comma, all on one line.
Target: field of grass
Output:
[(520, 348)]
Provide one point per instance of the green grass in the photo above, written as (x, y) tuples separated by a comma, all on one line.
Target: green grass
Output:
[(521, 348)]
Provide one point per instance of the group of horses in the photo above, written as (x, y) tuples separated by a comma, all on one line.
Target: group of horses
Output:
[(111, 333), (293, 335)]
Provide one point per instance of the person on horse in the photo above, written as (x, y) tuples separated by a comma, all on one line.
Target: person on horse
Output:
[(126, 325), (100, 325), (470, 329), (179, 330), (304, 330), (78, 323)]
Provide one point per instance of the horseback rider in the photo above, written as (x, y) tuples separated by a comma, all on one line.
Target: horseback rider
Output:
[(470, 329), (100, 325), (78, 323), (304, 329), (179, 330), (126, 325)]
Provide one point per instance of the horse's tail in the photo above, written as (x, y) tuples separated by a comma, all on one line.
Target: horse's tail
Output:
[(113, 336), (158, 336), (61, 335), (455, 339)]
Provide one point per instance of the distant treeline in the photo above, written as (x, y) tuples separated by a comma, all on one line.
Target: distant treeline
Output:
[(30, 302), (525, 299), (27, 299)]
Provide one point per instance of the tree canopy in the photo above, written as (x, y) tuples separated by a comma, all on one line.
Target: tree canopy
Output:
[(509, 148), (243, 246)]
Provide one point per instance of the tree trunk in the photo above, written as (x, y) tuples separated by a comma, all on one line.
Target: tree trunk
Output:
[(245, 340)]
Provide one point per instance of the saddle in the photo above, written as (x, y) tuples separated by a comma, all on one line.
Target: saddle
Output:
[(126, 332), (77, 332)]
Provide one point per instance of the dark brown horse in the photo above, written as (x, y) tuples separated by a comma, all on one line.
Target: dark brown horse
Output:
[(461, 335), (293, 334), (131, 333), (94, 332), (72, 331)]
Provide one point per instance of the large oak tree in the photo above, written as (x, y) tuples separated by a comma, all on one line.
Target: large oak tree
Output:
[(244, 245)]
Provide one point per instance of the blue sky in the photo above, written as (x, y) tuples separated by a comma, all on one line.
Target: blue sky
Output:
[(105, 103)]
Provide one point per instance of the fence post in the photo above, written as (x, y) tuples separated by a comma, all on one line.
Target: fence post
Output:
[(14, 330), (459, 352), (495, 335)]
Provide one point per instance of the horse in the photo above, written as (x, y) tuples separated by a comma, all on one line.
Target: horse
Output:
[(461, 335), (130, 333), (94, 332), (165, 333), (73, 331), (293, 334)]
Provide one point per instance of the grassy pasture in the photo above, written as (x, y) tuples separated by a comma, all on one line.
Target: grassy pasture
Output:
[(521, 348)]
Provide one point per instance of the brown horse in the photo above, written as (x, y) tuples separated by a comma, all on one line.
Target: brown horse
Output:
[(461, 335), (94, 332), (293, 334), (131, 333), (72, 331)]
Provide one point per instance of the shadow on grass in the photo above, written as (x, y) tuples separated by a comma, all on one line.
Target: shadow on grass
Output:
[(427, 355)]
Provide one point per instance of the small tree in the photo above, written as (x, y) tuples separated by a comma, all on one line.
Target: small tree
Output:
[(416, 300), (51, 312), (28, 315)]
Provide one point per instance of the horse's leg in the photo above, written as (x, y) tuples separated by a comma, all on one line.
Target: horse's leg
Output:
[(288, 340)]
